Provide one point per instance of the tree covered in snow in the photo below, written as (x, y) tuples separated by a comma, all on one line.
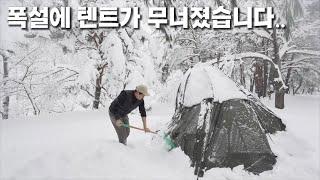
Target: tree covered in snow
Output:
[(256, 58), (301, 66), (58, 70)]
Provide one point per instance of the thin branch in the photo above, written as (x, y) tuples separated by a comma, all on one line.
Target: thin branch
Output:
[(87, 92), (287, 63), (67, 77), (188, 39), (27, 55), (69, 69)]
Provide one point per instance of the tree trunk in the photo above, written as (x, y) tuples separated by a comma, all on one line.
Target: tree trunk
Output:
[(165, 73), (218, 59), (258, 78), (97, 92), (279, 99), (36, 110), (288, 77), (242, 77), (251, 84), (295, 91), (279, 102), (265, 78), (292, 87), (5, 104), (265, 43)]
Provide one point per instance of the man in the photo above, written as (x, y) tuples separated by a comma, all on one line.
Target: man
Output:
[(119, 109)]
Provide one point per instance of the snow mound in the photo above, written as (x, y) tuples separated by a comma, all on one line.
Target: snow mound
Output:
[(207, 81)]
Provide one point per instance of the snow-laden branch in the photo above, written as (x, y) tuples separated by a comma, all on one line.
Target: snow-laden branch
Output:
[(69, 67), (299, 60), (303, 64), (253, 55), (28, 93), (266, 58), (188, 39), (262, 33), (305, 67), (27, 55), (284, 49), (184, 59), (304, 51)]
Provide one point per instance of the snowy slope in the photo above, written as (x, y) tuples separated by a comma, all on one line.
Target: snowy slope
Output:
[(83, 145)]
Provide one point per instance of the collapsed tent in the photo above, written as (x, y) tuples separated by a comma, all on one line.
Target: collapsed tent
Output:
[(218, 124)]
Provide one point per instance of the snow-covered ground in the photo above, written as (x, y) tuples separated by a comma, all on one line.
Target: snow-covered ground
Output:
[(83, 145)]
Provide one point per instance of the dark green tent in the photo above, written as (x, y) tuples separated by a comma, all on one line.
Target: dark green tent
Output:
[(224, 133)]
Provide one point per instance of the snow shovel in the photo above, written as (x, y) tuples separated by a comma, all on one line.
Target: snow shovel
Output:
[(133, 127), (167, 140)]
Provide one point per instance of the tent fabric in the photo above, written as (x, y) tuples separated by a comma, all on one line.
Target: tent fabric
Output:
[(228, 133)]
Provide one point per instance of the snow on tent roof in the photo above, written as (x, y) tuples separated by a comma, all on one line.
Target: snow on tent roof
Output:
[(206, 81)]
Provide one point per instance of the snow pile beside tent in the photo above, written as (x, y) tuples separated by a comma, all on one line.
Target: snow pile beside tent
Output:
[(83, 145)]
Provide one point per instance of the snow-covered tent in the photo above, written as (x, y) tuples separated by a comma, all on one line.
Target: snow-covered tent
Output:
[(218, 124)]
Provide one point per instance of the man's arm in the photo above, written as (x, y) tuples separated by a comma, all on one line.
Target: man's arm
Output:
[(142, 111), (145, 127)]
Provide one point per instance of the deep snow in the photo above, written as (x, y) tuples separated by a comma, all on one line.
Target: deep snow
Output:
[(83, 145)]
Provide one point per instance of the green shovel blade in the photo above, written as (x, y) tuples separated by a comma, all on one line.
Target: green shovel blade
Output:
[(169, 142)]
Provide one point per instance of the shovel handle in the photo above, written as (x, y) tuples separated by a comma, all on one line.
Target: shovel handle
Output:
[(133, 127)]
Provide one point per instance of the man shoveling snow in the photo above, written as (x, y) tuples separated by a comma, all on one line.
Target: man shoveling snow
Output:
[(119, 109)]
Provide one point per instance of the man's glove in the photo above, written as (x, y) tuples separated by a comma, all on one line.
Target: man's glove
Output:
[(119, 123), (147, 130)]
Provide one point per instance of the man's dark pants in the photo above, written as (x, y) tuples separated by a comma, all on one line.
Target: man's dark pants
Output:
[(122, 132)]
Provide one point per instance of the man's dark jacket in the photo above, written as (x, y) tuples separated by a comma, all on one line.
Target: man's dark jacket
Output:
[(125, 103)]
